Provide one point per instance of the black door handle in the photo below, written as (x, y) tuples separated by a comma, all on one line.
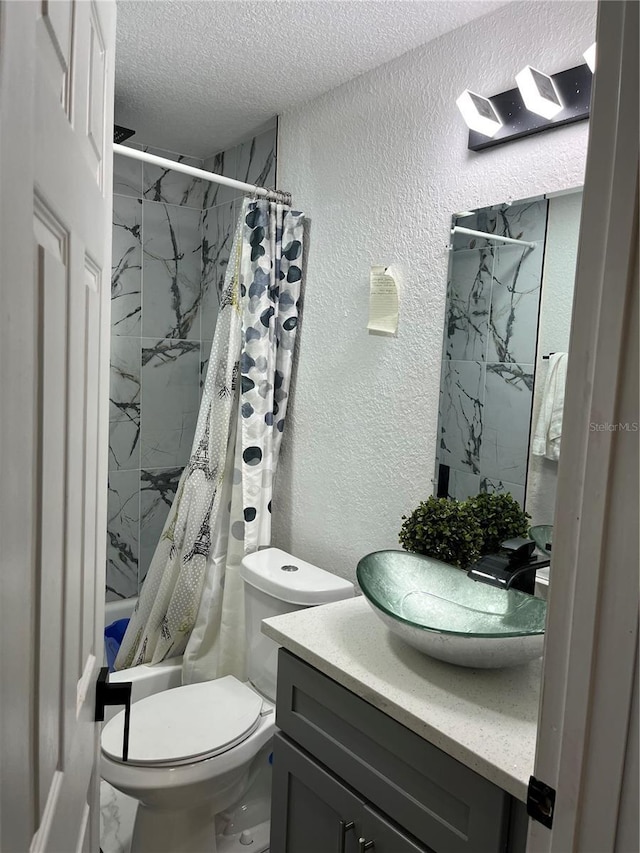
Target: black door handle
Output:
[(114, 694)]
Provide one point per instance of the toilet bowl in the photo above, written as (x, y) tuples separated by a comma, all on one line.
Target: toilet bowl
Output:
[(192, 749), (190, 756)]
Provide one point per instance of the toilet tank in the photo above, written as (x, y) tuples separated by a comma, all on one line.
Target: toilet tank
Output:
[(277, 583)]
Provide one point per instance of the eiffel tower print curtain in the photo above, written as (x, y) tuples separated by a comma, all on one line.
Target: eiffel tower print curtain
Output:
[(191, 601)]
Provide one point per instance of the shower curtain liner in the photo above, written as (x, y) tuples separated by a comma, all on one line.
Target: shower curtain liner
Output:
[(191, 601)]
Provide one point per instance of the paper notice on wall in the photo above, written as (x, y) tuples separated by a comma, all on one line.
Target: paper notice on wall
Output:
[(383, 302)]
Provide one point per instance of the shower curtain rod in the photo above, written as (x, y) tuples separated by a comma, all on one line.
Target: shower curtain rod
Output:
[(263, 192), (457, 229)]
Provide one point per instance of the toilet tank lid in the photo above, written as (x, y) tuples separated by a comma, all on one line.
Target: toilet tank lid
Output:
[(290, 579)]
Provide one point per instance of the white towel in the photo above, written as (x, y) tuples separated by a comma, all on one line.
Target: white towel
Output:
[(548, 430)]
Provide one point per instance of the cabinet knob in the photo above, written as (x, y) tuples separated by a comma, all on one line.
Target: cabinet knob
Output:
[(345, 826), (365, 845)]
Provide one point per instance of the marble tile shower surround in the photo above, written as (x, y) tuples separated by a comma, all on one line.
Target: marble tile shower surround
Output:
[(171, 241), (491, 322)]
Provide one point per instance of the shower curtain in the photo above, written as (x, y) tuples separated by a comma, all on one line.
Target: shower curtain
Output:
[(191, 601)]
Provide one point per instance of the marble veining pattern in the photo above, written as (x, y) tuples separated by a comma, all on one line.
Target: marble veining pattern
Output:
[(460, 427), (217, 237), (224, 163), (126, 266), (117, 816), (122, 534), (256, 160), (124, 445), (253, 162), (166, 185), (171, 242), (515, 304), (172, 271), (501, 487), (127, 174), (462, 485), (124, 388), (521, 221), (491, 322), (157, 491), (170, 400), (506, 422), (468, 305)]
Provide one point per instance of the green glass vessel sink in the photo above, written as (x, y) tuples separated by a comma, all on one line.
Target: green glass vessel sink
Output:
[(437, 609), (542, 535)]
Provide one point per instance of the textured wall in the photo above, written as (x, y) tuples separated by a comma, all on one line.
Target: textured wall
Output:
[(172, 236), (561, 250), (380, 165)]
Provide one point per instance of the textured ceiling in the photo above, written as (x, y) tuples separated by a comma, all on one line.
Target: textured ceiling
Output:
[(197, 77)]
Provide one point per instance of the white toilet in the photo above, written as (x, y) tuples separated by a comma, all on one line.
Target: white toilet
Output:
[(191, 749)]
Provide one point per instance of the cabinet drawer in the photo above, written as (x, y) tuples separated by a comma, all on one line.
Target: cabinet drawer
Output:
[(437, 799)]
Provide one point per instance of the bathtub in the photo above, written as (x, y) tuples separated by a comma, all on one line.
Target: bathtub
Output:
[(146, 680)]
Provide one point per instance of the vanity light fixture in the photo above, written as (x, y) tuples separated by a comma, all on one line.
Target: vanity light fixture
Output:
[(540, 102), (539, 93), (479, 113), (590, 57)]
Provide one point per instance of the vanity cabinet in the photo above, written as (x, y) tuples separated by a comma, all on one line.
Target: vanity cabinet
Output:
[(348, 778)]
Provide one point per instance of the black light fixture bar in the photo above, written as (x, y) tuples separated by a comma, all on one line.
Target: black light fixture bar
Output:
[(574, 88), (121, 133)]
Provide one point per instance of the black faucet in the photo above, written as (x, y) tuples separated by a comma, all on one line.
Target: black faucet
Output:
[(514, 566)]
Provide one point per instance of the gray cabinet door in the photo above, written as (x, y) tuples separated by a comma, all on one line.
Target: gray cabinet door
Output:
[(312, 811), (308, 805)]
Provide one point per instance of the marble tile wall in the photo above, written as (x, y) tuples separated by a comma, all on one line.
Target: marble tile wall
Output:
[(172, 238), (491, 327), (253, 162)]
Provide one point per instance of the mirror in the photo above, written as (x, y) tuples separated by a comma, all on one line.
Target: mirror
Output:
[(508, 308)]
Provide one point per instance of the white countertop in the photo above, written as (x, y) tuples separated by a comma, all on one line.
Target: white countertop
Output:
[(486, 719)]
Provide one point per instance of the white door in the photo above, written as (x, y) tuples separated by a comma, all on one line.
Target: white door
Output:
[(56, 99)]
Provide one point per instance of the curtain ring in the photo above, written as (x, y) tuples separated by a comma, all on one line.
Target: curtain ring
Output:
[(282, 197), (279, 197)]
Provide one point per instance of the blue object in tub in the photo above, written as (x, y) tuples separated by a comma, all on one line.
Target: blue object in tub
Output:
[(113, 635)]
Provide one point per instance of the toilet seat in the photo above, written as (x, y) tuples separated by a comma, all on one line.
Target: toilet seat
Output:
[(186, 724)]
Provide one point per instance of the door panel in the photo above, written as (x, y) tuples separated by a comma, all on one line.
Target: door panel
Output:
[(54, 45), (91, 457), (51, 274), (89, 86)]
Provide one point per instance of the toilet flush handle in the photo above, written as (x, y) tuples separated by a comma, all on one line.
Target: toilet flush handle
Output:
[(114, 694)]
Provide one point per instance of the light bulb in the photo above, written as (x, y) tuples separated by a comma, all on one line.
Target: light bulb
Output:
[(539, 92), (479, 113), (590, 57)]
